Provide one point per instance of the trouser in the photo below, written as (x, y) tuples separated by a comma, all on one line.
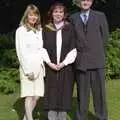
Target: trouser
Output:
[(55, 115), (94, 79)]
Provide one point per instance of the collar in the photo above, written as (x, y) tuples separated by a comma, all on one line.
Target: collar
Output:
[(52, 27), (59, 25), (85, 13)]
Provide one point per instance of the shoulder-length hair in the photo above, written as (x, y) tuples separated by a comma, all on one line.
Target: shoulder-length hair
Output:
[(55, 6), (24, 21)]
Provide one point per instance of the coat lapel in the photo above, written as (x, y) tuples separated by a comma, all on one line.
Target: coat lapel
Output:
[(79, 22), (79, 25), (90, 20)]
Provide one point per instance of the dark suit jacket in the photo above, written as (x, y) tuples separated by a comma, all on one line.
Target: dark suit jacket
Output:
[(90, 40)]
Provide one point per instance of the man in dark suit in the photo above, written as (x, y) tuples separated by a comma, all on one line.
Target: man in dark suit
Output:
[(91, 34)]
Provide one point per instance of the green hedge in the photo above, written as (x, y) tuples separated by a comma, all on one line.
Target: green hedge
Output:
[(9, 79), (113, 55), (9, 74)]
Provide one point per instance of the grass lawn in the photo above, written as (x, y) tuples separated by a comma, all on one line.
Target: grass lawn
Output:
[(11, 107)]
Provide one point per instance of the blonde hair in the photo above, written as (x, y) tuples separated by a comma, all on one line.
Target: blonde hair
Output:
[(24, 21)]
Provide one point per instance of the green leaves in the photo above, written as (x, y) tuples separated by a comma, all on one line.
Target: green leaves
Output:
[(9, 74), (9, 79), (113, 55)]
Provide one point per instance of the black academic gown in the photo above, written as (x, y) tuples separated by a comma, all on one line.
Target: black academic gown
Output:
[(59, 84)]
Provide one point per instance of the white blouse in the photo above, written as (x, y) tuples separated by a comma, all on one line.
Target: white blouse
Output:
[(30, 51), (70, 57)]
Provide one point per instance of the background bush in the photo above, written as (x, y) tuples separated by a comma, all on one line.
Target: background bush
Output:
[(9, 74), (9, 79), (113, 55)]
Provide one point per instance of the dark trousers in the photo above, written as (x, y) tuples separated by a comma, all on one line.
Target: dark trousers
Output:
[(94, 79)]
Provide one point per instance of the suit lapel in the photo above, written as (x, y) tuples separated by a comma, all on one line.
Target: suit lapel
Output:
[(90, 20), (79, 20), (79, 25)]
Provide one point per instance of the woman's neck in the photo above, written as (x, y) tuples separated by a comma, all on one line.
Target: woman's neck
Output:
[(59, 24)]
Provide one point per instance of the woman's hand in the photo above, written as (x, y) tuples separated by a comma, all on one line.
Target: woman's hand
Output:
[(60, 66), (52, 66), (56, 67), (30, 76)]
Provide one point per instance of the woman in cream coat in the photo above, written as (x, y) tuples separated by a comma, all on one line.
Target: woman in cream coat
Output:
[(31, 54)]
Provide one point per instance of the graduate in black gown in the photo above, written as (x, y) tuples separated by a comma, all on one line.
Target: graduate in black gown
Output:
[(59, 40)]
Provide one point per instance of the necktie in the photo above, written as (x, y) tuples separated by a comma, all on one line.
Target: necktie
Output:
[(85, 18)]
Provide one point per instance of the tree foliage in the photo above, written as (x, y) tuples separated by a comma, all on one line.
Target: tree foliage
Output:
[(9, 75), (113, 55)]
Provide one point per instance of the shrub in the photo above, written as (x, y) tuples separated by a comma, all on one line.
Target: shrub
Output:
[(9, 58), (9, 75), (9, 79), (113, 55), (7, 41)]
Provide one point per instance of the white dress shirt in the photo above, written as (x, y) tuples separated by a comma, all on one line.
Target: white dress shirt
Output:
[(84, 13), (70, 57), (30, 51)]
